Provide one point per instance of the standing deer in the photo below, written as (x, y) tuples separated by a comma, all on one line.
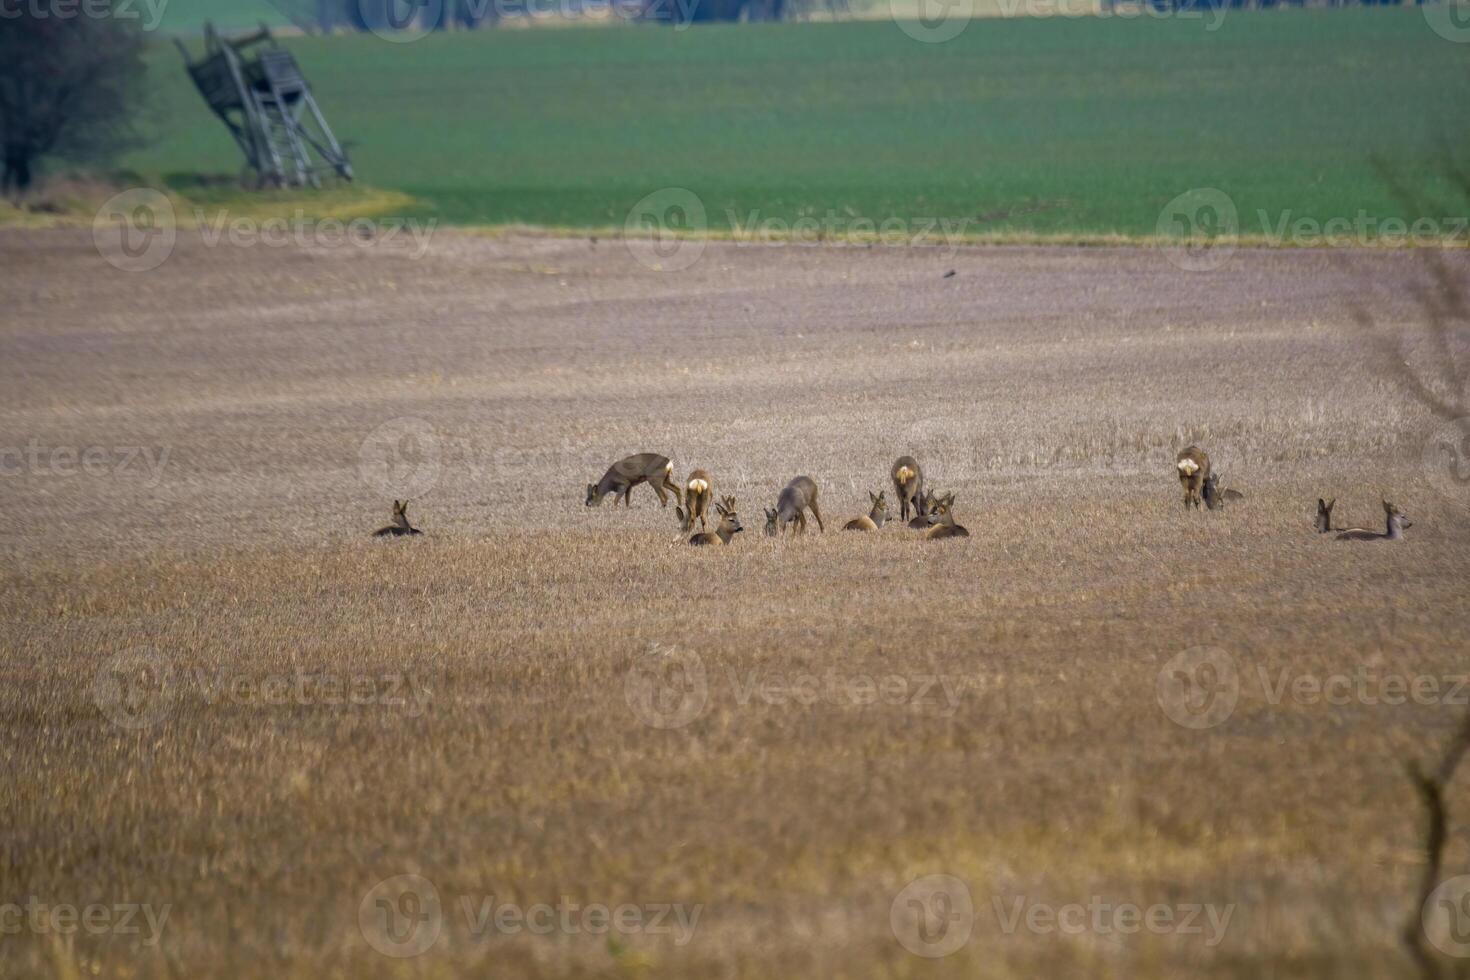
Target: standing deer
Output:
[(698, 490), (941, 519), (1324, 515), (1193, 465), (622, 476), (1215, 498), (1397, 521), (925, 507), (796, 497), (908, 486), (729, 526), (875, 517), (400, 523)]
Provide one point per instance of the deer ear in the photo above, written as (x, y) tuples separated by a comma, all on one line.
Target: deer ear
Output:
[(1331, 502)]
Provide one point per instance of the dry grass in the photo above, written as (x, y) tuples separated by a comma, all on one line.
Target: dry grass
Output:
[(1049, 388)]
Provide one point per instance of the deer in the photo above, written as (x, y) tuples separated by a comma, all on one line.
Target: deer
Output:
[(874, 519), (908, 486), (1397, 520), (400, 525), (622, 476), (1324, 515), (795, 498), (941, 521), (728, 527), (698, 489), (921, 521), (1215, 498), (1193, 465)]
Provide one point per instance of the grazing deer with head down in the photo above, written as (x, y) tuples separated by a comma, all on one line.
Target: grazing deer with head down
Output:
[(924, 508), (729, 526), (1324, 515), (908, 486), (796, 498), (1193, 465), (1215, 498), (400, 523), (941, 519), (1397, 521), (622, 476), (698, 490), (875, 517)]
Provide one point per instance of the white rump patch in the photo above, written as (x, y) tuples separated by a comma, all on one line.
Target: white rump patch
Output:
[(698, 486), (1188, 467), (905, 474)]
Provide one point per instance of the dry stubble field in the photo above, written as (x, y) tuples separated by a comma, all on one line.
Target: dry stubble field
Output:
[(857, 711)]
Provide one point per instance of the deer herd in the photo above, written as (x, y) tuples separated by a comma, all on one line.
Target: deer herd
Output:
[(933, 513)]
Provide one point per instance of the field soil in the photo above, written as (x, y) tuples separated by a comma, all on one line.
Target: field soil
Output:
[(227, 705)]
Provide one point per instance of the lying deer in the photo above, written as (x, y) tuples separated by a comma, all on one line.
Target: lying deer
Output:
[(1215, 498), (796, 497), (941, 520), (925, 506), (1324, 515), (908, 486), (729, 526), (875, 517), (400, 523), (697, 492), (622, 476), (1193, 465), (1397, 521)]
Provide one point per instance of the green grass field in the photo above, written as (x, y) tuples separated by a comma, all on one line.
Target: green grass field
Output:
[(1081, 127)]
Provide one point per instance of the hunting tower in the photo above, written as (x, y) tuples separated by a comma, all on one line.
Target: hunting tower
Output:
[(263, 98)]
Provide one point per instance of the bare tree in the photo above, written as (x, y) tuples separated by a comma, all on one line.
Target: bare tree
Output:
[(1431, 787), (69, 86)]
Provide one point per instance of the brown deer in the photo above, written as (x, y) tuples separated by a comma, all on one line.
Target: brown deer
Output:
[(1193, 465), (796, 497), (874, 519), (1397, 521), (622, 476), (729, 526), (1215, 498), (941, 520), (400, 523), (1324, 515), (698, 490), (908, 486), (926, 505)]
